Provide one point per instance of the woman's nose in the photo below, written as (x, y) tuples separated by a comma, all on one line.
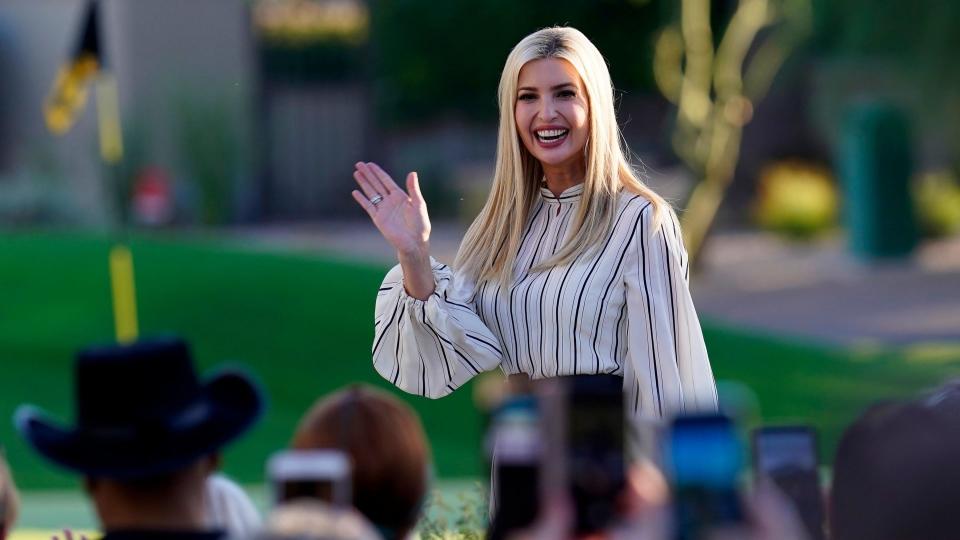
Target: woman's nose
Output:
[(548, 110)]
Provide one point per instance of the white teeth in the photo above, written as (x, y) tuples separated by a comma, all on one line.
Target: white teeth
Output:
[(551, 134)]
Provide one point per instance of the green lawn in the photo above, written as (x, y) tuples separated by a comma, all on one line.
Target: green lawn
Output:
[(303, 324), (43, 512)]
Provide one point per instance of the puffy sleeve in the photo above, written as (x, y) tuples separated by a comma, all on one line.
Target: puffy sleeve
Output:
[(431, 347), (667, 370)]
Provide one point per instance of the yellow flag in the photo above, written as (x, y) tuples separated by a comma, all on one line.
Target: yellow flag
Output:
[(69, 92)]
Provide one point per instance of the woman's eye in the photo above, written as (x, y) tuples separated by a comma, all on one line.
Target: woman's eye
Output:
[(527, 97), (566, 94)]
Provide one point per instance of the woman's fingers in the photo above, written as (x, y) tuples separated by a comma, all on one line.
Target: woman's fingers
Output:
[(371, 177), (368, 181), (388, 184), (365, 185), (413, 188), (362, 201)]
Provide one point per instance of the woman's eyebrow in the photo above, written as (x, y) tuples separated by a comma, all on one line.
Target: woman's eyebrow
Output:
[(556, 87)]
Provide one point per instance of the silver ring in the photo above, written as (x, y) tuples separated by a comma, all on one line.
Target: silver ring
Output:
[(376, 199)]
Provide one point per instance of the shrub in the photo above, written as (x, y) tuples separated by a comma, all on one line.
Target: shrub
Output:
[(796, 199)]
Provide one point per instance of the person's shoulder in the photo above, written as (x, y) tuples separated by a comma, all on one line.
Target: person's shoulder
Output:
[(631, 204), (648, 213)]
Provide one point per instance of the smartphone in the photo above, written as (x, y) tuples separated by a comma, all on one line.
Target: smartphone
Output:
[(310, 474), (787, 455), (595, 449), (704, 459), (516, 439)]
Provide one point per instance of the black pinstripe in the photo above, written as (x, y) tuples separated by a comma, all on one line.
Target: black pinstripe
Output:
[(646, 293), (621, 305)]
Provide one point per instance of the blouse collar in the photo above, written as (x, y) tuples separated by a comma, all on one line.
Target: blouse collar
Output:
[(569, 195)]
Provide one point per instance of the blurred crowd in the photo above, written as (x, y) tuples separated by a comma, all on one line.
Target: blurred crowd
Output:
[(565, 463)]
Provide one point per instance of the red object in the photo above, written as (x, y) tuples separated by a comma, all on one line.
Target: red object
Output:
[(153, 197)]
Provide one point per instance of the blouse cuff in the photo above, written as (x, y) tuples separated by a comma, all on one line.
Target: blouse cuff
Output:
[(442, 276)]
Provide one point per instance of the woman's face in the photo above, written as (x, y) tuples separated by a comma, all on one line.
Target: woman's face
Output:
[(552, 112)]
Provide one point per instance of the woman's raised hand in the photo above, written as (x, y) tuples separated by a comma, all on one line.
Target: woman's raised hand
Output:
[(401, 216)]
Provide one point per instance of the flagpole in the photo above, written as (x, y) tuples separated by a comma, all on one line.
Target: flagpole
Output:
[(110, 131), (124, 294), (63, 105)]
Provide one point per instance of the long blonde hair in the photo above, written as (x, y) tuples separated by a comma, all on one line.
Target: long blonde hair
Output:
[(489, 249)]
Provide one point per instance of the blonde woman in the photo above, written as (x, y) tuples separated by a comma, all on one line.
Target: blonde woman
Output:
[(573, 266)]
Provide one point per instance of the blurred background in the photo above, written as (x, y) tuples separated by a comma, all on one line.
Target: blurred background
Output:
[(811, 147)]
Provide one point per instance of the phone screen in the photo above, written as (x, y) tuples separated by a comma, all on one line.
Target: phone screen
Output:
[(305, 489), (788, 456), (705, 459), (310, 474), (595, 464), (518, 498), (517, 456)]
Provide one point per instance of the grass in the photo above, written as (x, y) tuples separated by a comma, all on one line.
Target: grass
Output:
[(451, 505), (791, 381), (303, 324)]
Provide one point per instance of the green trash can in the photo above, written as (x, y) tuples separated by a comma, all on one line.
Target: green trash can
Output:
[(875, 171)]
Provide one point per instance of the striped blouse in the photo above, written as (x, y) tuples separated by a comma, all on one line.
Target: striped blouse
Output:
[(624, 309)]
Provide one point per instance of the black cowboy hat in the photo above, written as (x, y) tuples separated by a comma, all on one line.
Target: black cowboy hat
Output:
[(141, 411)]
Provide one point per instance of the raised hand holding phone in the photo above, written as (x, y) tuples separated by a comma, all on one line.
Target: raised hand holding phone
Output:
[(704, 460), (401, 217), (787, 457)]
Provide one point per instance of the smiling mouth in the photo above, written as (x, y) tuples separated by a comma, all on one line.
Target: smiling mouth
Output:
[(551, 135)]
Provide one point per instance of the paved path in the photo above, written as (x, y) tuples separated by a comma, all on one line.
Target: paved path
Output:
[(818, 291), (754, 280)]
